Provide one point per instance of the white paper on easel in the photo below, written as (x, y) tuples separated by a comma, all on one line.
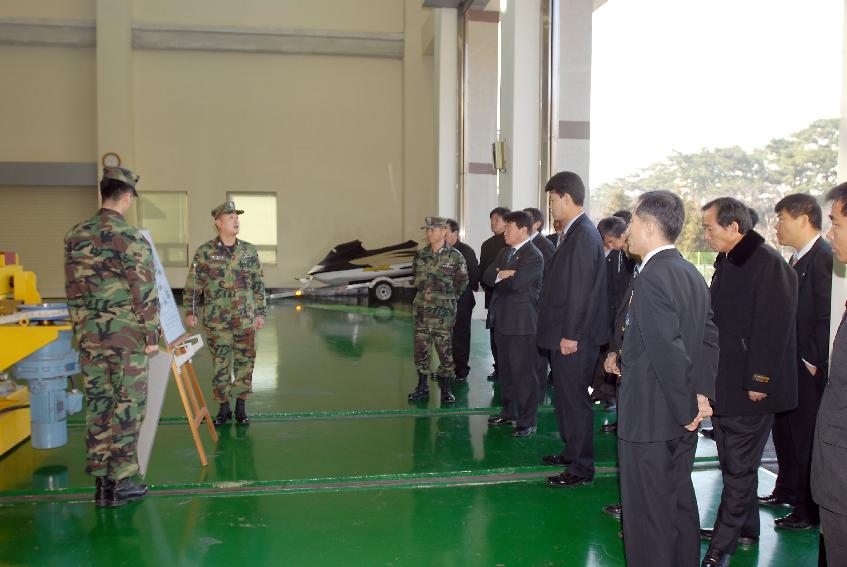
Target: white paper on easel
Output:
[(158, 376), (168, 309)]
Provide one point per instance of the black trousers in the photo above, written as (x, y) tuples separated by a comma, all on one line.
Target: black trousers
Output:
[(462, 335), (661, 523), (572, 375), (604, 385), (741, 442), (793, 436), (493, 349), (518, 375)]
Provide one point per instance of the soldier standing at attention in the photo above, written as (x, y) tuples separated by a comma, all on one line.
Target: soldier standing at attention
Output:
[(113, 302), (441, 275), (226, 276)]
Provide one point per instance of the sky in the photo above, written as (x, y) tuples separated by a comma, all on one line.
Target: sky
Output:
[(681, 75)]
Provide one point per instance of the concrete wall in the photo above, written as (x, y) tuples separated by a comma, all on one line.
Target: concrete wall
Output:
[(345, 142)]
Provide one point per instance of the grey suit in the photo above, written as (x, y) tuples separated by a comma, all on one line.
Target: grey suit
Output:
[(829, 454)]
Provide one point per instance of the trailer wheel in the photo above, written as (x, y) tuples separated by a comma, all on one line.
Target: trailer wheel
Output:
[(383, 291)]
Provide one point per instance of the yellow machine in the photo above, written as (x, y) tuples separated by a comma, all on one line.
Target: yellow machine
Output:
[(19, 338)]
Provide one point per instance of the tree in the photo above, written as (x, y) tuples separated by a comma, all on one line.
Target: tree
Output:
[(804, 162)]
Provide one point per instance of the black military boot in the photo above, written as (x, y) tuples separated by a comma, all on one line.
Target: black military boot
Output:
[(241, 412), (447, 396), (130, 490), (224, 414), (105, 495), (421, 392)]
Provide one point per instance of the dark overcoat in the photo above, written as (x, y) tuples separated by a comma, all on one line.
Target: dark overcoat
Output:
[(754, 298)]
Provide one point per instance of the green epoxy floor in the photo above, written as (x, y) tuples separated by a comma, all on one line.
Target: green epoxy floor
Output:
[(339, 469)]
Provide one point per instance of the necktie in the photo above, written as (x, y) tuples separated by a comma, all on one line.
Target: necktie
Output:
[(793, 261), (511, 253)]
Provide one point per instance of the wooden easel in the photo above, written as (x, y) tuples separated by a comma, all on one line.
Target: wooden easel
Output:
[(182, 351)]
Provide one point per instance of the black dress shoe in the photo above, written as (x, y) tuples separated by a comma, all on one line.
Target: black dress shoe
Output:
[(613, 510), (130, 490), (771, 500), (716, 558), (224, 414), (707, 433), (555, 460), (609, 428), (567, 479), (492, 377), (524, 431), (241, 412), (497, 420), (746, 541), (792, 522)]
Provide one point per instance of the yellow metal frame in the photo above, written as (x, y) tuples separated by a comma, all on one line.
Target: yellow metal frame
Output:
[(19, 341)]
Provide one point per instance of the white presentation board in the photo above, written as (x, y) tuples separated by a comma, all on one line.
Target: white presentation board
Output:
[(158, 376), (168, 309)]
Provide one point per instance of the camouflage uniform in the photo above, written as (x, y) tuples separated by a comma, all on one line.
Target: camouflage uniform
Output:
[(113, 302), (230, 286), (440, 278)]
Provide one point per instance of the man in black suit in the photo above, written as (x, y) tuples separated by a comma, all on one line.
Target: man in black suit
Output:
[(487, 254), (513, 314), (573, 325), (556, 234), (799, 226), (547, 247), (668, 365), (754, 298), (464, 306), (544, 244), (619, 268), (829, 452)]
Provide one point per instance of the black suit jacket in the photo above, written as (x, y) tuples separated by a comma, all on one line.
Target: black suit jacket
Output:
[(670, 351), (619, 268), (487, 254), (814, 294), (473, 273), (545, 246), (829, 453), (514, 305), (573, 298), (754, 298)]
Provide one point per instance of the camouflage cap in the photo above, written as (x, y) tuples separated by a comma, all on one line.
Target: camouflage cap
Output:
[(435, 222), (123, 175), (225, 209)]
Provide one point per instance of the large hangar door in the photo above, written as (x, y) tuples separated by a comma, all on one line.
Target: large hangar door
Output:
[(35, 220)]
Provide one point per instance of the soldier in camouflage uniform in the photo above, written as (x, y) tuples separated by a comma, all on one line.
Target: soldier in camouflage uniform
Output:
[(441, 275), (226, 277), (113, 302)]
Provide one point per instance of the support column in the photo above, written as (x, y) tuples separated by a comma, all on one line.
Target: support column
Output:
[(115, 123), (572, 86), (446, 53), (520, 102)]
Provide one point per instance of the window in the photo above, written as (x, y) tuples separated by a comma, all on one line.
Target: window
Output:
[(258, 225), (165, 215)]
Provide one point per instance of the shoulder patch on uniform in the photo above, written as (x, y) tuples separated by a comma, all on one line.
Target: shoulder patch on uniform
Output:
[(761, 378)]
